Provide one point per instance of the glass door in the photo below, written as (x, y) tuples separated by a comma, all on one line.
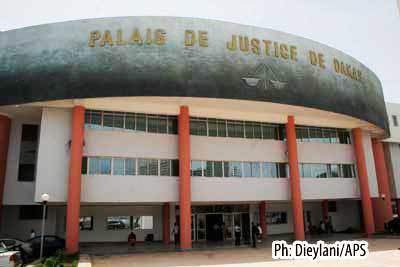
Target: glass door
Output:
[(201, 227), (228, 230), (193, 227)]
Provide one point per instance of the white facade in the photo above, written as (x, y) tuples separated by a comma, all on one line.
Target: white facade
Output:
[(113, 195)]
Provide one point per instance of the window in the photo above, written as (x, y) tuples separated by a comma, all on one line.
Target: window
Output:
[(165, 167), (196, 168), (142, 222), (348, 171), (212, 127), (86, 223), (100, 166), (130, 167), (283, 170), (31, 212), (344, 137), (118, 166), (276, 218), (221, 128), (28, 153), (251, 169), (157, 124), (130, 122), (269, 169), (148, 167), (198, 126), (235, 129), (84, 165), (141, 122), (395, 122), (118, 222), (175, 167), (233, 169), (334, 170)]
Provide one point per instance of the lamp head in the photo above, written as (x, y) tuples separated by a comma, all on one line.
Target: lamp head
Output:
[(45, 197)]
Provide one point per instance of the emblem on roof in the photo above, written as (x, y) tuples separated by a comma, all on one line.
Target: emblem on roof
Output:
[(264, 78)]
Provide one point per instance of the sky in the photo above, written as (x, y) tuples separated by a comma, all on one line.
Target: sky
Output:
[(368, 30)]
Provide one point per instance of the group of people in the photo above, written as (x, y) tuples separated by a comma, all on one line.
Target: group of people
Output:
[(325, 226), (256, 234)]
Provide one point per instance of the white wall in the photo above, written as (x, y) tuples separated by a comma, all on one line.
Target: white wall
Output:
[(53, 155), (17, 192), (394, 168)]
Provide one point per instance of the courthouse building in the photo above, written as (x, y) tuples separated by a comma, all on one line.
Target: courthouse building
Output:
[(136, 123)]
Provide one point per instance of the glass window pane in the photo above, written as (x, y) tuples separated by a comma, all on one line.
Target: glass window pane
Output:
[(306, 170), (269, 169), (208, 171), (196, 168), (315, 135), (221, 128), (198, 127), (257, 130), (141, 122), (255, 169), (172, 125), (268, 131), (105, 165), (118, 222), (142, 222), (107, 120), (175, 167), (130, 167), (94, 166), (118, 166), (143, 167), (84, 165), (235, 129), (157, 124), (212, 127), (282, 170), (247, 169), (118, 121), (130, 121), (334, 170), (249, 129), (319, 170), (95, 118), (165, 167), (235, 169), (86, 223), (153, 167), (344, 137), (217, 168)]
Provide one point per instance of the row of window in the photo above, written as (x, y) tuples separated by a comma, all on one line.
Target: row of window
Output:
[(129, 166), (268, 169), (276, 217), (131, 121), (210, 127), (119, 223), (237, 169), (315, 170)]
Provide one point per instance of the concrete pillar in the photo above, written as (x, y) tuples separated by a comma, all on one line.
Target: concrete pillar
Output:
[(166, 224), (363, 182), (74, 180), (261, 214), (383, 204), (184, 181), (295, 188)]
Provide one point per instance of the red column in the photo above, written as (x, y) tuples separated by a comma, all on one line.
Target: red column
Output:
[(383, 183), (363, 182), (263, 223), (325, 211), (5, 125), (297, 204), (166, 228), (184, 181), (74, 181)]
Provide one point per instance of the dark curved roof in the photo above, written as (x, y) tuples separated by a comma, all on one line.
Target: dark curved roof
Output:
[(55, 61)]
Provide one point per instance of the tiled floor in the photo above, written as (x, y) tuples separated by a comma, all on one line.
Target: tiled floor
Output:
[(383, 253)]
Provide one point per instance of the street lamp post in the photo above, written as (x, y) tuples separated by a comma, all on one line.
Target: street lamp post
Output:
[(45, 198)]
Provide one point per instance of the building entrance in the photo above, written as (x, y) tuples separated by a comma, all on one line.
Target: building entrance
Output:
[(214, 227)]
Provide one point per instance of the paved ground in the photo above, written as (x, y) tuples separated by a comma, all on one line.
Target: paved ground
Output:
[(383, 252)]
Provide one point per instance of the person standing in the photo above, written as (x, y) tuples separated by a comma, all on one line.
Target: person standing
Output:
[(237, 235), (32, 234), (254, 232), (259, 233), (175, 231)]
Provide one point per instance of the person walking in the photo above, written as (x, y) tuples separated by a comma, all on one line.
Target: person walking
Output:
[(259, 234), (254, 232), (32, 234), (175, 231), (237, 235)]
